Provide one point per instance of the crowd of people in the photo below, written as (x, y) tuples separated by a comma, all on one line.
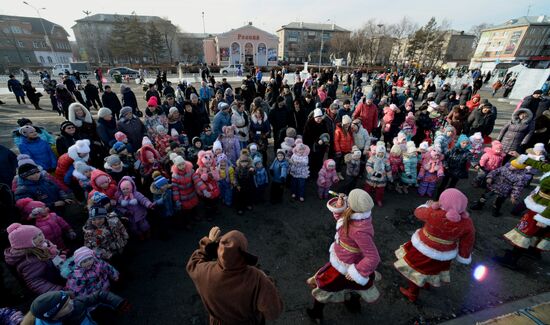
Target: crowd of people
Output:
[(191, 150)]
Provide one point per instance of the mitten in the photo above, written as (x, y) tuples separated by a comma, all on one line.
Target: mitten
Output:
[(206, 194)]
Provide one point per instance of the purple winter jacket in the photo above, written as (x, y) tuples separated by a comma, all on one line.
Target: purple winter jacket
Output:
[(136, 209), (508, 182), (39, 276)]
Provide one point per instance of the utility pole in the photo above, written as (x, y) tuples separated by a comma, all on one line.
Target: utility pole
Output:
[(48, 42), (203, 28), (322, 43)]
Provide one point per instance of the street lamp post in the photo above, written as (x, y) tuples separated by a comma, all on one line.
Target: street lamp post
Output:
[(322, 43), (43, 28)]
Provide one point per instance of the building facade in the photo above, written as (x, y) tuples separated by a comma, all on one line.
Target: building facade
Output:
[(28, 42), (246, 45), (300, 42), (523, 40)]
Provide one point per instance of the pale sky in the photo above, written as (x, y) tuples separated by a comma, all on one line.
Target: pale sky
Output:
[(269, 15)]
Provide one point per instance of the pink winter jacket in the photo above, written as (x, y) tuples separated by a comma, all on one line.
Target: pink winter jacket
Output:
[(354, 252), (53, 227), (327, 177), (491, 160)]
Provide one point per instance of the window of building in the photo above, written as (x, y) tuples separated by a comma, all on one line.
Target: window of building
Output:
[(7, 58), (42, 59), (16, 29), (20, 44), (50, 59), (36, 44), (28, 59)]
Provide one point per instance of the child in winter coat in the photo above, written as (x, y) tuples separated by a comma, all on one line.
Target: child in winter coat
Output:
[(91, 274), (134, 205), (490, 160), (217, 148), (476, 141), (150, 162), (389, 116), (506, 181), (326, 178), (115, 168), (230, 143), (38, 149), (287, 145), (253, 152), (401, 141), (353, 167), (227, 181), (53, 226), (245, 184), (445, 138), (208, 138), (83, 173), (162, 140), (299, 169), (193, 151), (537, 153), (121, 137), (261, 180), (206, 182), (378, 172), (103, 183), (279, 173), (396, 163), (128, 159), (104, 233), (183, 190), (457, 163), (431, 170), (162, 195), (409, 126), (410, 163)]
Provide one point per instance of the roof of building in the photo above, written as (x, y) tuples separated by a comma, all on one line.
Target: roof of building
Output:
[(111, 18), (313, 26), (36, 25), (247, 26), (523, 21)]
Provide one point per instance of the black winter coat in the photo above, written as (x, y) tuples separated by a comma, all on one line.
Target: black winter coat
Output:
[(111, 101)]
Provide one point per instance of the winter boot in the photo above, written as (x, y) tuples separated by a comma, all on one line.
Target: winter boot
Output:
[(316, 313), (477, 205), (510, 258), (411, 292), (353, 304)]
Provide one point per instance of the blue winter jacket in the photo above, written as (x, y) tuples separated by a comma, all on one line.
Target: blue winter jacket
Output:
[(43, 190), (39, 151), (260, 177), (279, 170), (220, 120)]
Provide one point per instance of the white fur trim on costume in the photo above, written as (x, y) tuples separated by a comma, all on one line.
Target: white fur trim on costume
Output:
[(360, 215), (431, 252), (522, 158), (352, 271), (542, 219), (532, 205), (336, 263), (463, 260)]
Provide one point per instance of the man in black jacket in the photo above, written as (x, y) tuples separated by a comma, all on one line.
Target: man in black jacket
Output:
[(111, 101), (92, 94), (278, 117), (532, 102)]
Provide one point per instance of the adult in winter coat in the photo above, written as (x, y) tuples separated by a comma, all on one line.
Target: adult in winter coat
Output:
[(66, 138), (15, 87), (221, 119), (343, 140), (129, 99), (154, 117), (516, 134), (81, 117), (32, 95), (31, 255), (316, 126), (92, 94), (241, 121), (367, 112), (106, 127), (424, 124), (8, 161), (351, 272), (482, 119), (38, 149), (458, 117), (542, 131), (448, 233), (233, 290), (111, 101), (260, 130), (278, 117), (132, 126), (297, 117), (532, 102)]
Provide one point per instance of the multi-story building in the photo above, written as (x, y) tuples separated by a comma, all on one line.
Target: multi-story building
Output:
[(300, 42), (28, 42), (93, 35), (523, 40)]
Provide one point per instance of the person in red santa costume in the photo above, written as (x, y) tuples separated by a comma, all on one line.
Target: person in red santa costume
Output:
[(448, 233), (350, 274)]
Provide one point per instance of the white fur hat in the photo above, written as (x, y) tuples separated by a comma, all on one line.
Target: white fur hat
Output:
[(317, 112), (176, 159), (476, 136), (346, 119), (217, 145), (82, 146), (539, 147)]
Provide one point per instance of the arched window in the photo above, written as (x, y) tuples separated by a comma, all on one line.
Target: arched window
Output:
[(42, 59), (50, 59)]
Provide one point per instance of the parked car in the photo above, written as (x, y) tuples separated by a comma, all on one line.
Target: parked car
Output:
[(82, 67), (231, 69), (124, 71)]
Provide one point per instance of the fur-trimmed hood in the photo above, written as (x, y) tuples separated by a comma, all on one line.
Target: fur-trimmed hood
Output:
[(72, 115)]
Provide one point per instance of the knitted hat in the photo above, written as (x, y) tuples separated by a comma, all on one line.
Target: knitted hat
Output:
[(159, 180), (23, 159), (463, 138), (360, 201), (152, 101), (356, 154), (113, 160), (47, 305), (104, 111), (100, 199), (476, 136), (380, 147), (21, 236), (539, 147), (176, 159), (253, 147), (281, 151), (23, 121), (146, 141), (65, 124), (82, 254), (26, 130), (496, 145), (217, 145), (223, 106), (29, 207), (27, 170), (325, 138), (454, 203), (257, 160), (173, 110), (82, 167), (119, 147), (102, 179), (125, 110), (290, 132), (82, 146), (119, 136), (346, 120), (317, 112)]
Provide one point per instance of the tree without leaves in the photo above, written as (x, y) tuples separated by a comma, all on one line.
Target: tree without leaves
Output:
[(155, 42), (169, 34), (476, 30)]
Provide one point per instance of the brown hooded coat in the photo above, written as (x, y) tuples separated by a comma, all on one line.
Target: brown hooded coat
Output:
[(232, 291)]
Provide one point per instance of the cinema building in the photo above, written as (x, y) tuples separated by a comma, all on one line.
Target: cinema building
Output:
[(246, 45)]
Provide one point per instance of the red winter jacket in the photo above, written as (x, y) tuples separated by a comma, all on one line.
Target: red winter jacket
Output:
[(110, 191), (342, 142), (183, 189), (368, 114), (64, 163)]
